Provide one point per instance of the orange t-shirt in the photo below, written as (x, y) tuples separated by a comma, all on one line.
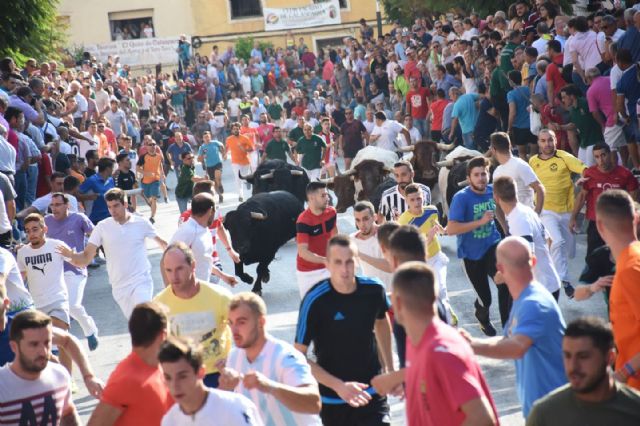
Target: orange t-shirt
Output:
[(150, 164), (235, 145), (79, 176), (139, 390), (624, 307)]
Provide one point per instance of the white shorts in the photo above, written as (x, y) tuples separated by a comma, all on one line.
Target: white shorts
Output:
[(59, 310), (313, 174), (614, 137), (307, 279), (586, 155), (130, 296)]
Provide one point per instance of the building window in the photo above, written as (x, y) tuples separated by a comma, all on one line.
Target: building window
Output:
[(131, 25), (245, 9), (343, 3)]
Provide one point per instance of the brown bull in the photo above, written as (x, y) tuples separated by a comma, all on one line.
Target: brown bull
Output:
[(425, 156), (359, 183)]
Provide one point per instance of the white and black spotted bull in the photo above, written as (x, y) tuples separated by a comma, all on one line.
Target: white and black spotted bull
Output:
[(453, 174)]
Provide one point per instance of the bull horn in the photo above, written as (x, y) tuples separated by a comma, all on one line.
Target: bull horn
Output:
[(350, 172), (267, 175), (388, 169), (327, 180), (407, 148), (445, 146), (445, 163), (258, 216), (463, 183), (297, 172), (245, 177)]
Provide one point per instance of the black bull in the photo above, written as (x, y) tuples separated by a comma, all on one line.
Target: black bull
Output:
[(278, 175), (258, 228)]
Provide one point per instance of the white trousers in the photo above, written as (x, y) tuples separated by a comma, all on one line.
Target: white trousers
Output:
[(563, 242), (307, 279), (129, 296), (75, 288), (439, 264), (313, 174), (240, 184)]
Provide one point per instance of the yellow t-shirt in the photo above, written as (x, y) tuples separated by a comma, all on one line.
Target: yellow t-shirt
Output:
[(555, 175), (424, 223), (202, 318)]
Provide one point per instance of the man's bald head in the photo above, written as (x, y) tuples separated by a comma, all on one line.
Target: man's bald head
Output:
[(514, 251)]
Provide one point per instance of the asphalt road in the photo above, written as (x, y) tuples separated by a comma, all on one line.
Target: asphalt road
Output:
[(282, 298)]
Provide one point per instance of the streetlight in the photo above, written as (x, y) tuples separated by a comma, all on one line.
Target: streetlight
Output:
[(379, 18)]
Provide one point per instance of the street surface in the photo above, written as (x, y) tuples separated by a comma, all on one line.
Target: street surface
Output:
[(282, 298)]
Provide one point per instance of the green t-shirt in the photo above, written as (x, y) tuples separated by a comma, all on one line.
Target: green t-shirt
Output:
[(295, 134), (184, 188), (499, 85), (275, 111), (505, 57), (333, 129), (277, 150), (589, 131), (562, 408), (312, 151)]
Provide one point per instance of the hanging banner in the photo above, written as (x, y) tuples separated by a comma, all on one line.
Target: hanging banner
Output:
[(326, 13), (144, 51)]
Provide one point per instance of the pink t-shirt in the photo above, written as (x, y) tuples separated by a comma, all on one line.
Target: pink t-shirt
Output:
[(599, 98), (442, 375)]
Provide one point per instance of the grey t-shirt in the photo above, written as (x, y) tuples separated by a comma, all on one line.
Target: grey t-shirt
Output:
[(562, 408)]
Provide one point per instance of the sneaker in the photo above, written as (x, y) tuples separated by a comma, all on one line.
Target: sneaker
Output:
[(93, 342), (220, 198), (482, 314), (166, 200), (569, 291), (240, 199), (454, 318), (74, 387), (99, 261), (152, 220)]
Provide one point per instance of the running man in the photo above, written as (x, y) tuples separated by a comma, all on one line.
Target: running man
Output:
[(346, 319), (211, 155), (123, 238), (393, 203), (42, 267), (314, 227), (151, 168), (555, 167), (72, 228), (312, 148), (240, 148), (472, 220), (269, 371)]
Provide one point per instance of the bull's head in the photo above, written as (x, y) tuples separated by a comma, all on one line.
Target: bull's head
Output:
[(344, 188), (370, 174)]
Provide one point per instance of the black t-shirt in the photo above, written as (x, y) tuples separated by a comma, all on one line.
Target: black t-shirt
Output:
[(338, 116), (352, 134), (341, 329), (486, 123), (125, 181)]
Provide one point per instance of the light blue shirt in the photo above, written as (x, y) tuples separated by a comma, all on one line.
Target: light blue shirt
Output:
[(520, 96), (211, 153), (466, 111), (536, 314)]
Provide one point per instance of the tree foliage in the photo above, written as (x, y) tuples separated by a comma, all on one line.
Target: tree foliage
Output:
[(244, 45), (30, 28), (407, 10)]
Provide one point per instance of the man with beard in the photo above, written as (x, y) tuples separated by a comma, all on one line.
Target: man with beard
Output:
[(196, 309), (471, 218), (353, 137), (31, 380), (392, 203), (269, 371), (372, 261), (592, 396)]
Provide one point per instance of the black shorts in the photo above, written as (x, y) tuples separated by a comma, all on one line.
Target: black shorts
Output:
[(211, 170), (351, 151), (375, 413), (522, 137)]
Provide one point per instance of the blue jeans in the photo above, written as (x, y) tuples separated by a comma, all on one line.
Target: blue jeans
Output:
[(467, 140), (21, 189), (32, 184), (182, 204), (422, 126), (580, 84)]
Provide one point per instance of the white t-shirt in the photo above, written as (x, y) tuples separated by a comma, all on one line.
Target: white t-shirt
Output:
[(388, 134), (21, 400), (198, 238), (19, 297), (5, 185), (281, 362), (524, 222), (147, 99), (415, 137), (371, 248), (7, 156), (234, 107), (115, 120), (124, 246), (83, 105), (523, 176), (42, 203), (102, 100), (45, 272), (84, 146), (220, 408)]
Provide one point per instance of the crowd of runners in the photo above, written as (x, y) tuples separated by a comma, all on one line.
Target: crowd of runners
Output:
[(550, 102)]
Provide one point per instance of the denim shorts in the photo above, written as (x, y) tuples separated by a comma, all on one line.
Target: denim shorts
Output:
[(151, 190)]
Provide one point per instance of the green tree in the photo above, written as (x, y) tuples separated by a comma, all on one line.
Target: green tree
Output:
[(407, 10), (244, 45), (30, 28)]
